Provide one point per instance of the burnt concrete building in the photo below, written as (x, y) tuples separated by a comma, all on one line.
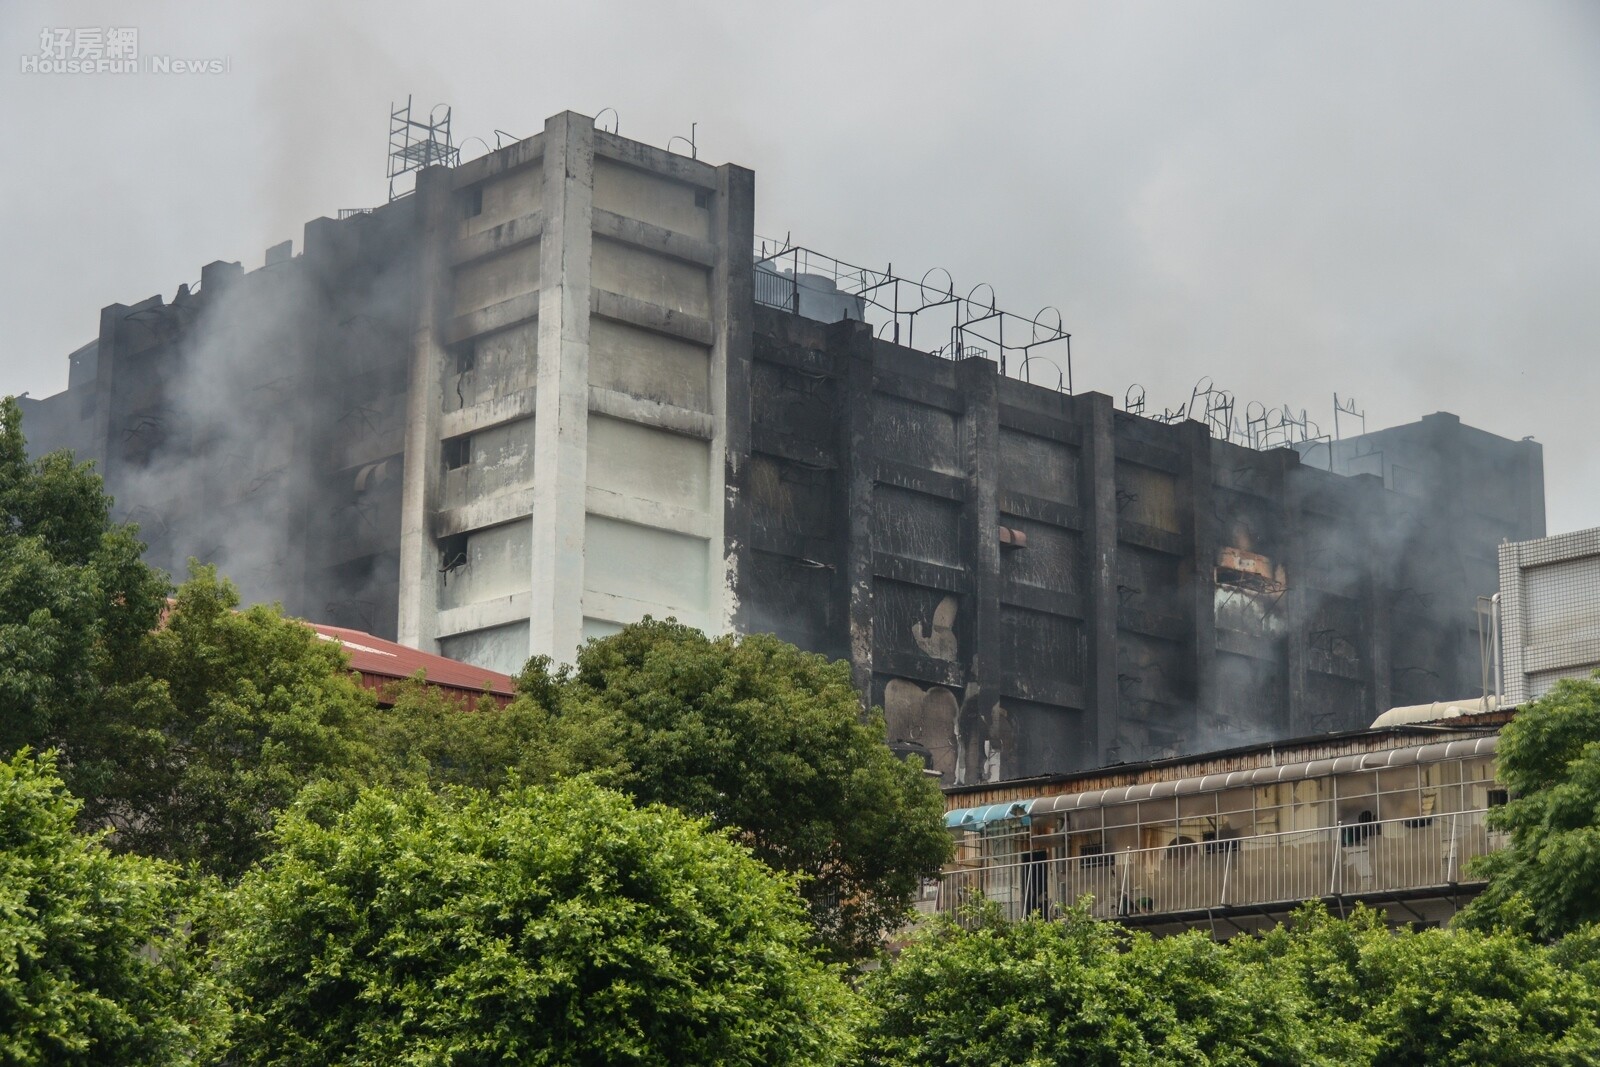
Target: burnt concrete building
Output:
[(1029, 581), (486, 418), (256, 421), (556, 389)]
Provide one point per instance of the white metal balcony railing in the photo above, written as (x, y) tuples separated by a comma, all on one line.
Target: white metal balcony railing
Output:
[(1361, 859)]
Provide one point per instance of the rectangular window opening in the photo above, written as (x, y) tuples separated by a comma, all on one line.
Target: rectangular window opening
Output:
[(452, 552), (457, 452)]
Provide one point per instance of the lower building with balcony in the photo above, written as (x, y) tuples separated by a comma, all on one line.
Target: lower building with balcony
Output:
[(1233, 841)]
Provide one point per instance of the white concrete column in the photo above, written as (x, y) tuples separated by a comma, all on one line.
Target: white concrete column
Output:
[(732, 303), (419, 493), (561, 420)]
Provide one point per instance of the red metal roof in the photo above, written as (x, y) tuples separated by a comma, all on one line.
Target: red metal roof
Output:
[(381, 662)]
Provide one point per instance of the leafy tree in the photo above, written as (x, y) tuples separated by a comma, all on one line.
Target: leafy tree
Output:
[(1319, 958), (1317, 991), (95, 967), (185, 737), (1435, 997), (1549, 758), (1197, 1001), (1075, 991), (537, 925), (224, 717), (1473, 999), (429, 737), (756, 735), (75, 598)]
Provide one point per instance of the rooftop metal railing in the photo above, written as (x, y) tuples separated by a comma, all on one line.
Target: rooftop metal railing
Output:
[(1359, 859), (781, 291), (1036, 349)]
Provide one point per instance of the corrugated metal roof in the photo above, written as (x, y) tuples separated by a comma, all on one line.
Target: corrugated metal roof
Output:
[(1242, 758), (380, 661), (975, 818)]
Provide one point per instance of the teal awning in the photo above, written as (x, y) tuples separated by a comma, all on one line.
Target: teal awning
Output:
[(978, 818)]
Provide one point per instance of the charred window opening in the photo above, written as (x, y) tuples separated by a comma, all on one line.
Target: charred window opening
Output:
[(1250, 571), (466, 360), (702, 198), (452, 554), (472, 202), (457, 452), (1249, 588)]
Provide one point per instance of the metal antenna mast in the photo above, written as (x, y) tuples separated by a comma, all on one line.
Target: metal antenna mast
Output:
[(416, 143)]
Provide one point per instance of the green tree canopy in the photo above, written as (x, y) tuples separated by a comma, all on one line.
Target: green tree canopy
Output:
[(75, 598), (95, 967), (538, 925), (1079, 991), (224, 717), (1549, 758), (758, 736), (1317, 991), (429, 737), (1435, 997)]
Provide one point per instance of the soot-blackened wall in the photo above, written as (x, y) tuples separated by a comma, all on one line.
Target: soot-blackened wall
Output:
[(258, 424), (1029, 582)]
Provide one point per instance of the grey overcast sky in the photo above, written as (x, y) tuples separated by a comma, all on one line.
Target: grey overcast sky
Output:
[(1396, 201)]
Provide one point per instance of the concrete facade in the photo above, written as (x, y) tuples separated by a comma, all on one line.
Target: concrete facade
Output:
[(1030, 582), (540, 398), (258, 422), (566, 463)]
